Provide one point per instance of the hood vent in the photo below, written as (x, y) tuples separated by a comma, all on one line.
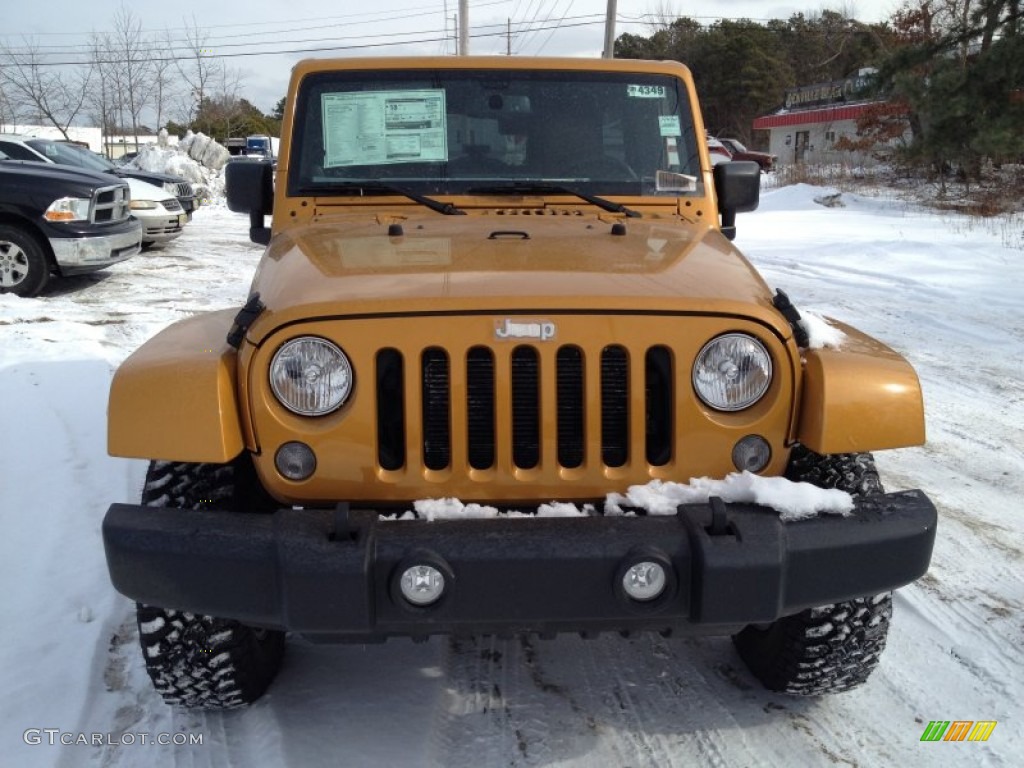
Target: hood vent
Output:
[(538, 212)]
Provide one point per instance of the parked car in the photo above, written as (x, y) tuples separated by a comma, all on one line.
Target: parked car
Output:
[(60, 220), (160, 213), (48, 151), (260, 146), (719, 152), (740, 152)]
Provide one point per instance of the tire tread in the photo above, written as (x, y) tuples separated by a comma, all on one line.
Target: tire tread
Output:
[(195, 661)]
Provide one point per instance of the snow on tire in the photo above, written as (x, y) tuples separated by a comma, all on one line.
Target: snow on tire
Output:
[(831, 648), (194, 661)]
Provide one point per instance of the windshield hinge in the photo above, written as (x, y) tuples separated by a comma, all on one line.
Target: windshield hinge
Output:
[(246, 316), (785, 306)]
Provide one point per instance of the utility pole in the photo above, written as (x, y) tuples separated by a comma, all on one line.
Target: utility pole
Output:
[(609, 31), (508, 36), (463, 27)]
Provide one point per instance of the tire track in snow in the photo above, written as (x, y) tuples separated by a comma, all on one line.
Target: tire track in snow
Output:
[(633, 702), (123, 702)]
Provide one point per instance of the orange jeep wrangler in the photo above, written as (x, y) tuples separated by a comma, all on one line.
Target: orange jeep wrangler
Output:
[(506, 282)]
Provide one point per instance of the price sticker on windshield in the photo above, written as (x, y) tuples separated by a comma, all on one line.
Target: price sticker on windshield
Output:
[(645, 91)]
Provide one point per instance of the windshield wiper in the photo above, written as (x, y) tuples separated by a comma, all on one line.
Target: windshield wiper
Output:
[(527, 188), (435, 205)]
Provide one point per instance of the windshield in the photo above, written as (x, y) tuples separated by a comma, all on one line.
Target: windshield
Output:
[(446, 131), (69, 154)]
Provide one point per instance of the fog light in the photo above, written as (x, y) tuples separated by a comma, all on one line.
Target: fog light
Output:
[(421, 584), (644, 580), (295, 461), (751, 453)]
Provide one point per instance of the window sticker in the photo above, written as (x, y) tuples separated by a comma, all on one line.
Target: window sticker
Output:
[(382, 127), (669, 125), (672, 152), (645, 91), (669, 181)]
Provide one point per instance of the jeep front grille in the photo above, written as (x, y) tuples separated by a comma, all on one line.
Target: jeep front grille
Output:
[(601, 383), (110, 204)]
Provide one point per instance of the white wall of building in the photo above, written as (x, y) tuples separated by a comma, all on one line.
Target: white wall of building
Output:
[(814, 143), (116, 146), (91, 136)]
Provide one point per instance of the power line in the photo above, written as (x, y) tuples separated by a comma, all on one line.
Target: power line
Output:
[(398, 13), (500, 31), (72, 49), (552, 32)]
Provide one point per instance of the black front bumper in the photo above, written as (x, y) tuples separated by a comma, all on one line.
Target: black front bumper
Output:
[(332, 575)]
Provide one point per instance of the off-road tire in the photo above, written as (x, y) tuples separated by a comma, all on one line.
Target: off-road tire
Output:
[(831, 648), (24, 268), (854, 473), (202, 662)]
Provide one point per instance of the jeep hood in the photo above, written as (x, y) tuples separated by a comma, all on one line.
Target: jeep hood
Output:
[(506, 264)]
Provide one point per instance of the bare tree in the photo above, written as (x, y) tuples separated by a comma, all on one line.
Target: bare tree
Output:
[(133, 57), (164, 87), (662, 16), (8, 114), (103, 96), (196, 67), (228, 88), (40, 92)]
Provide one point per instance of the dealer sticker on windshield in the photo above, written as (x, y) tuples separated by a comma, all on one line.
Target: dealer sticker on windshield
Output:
[(645, 91), (383, 127)]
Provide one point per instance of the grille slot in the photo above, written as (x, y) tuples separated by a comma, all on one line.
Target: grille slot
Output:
[(390, 409), (480, 407), (525, 407), (437, 448), (614, 406), (659, 419), (569, 389)]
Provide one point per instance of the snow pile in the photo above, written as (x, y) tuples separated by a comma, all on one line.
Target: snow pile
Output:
[(831, 200), (820, 333), (453, 509), (156, 159), (793, 501), (196, 158), (205, 150)]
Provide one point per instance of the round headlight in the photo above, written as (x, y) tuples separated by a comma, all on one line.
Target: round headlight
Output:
[(732, 372), (311, 376)]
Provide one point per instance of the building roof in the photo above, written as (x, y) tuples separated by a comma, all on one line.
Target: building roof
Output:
[(811, 116)]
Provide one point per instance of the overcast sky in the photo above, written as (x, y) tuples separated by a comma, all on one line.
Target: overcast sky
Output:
[(249, 30)]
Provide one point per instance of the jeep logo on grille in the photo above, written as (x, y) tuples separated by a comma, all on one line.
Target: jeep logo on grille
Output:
[(509, 329)]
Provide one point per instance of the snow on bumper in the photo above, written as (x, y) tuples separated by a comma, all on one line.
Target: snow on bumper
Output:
[(333, 575)]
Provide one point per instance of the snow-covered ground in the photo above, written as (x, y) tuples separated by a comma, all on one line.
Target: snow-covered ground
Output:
[(946, 292)]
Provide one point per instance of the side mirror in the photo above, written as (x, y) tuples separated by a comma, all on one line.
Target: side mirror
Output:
[(250, 188), (738, 187)]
